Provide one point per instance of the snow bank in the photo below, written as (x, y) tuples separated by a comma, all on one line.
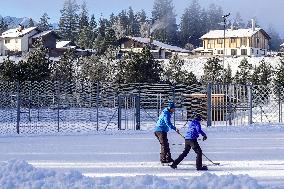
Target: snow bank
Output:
[(20, 174)]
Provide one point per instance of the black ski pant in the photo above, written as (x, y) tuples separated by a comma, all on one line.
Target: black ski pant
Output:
[(165, 154), (192, 143)]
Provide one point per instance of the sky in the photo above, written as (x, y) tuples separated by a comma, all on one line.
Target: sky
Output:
[(267, 12)]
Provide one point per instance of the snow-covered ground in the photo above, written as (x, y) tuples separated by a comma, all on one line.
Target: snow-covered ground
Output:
[(250, 157)]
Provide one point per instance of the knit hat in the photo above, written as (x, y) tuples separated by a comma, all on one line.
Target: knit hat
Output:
[(197, 117)]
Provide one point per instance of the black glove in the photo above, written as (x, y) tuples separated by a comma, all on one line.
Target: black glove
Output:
[(204, 137)]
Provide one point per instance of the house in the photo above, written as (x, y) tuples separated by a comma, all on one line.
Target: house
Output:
[(238, 42), (63, 46), (158, 49), (20, 40)]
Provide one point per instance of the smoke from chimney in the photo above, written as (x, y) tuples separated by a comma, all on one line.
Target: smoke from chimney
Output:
[(253, 24)]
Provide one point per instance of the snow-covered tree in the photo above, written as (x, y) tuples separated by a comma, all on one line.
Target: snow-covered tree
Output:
[(141, 68), (31, 23), (191, 26), (3, 25), (44, 24), (68, 23), (244, 74), (164, 26), (238, 21), (275, 41), (262, 73), (213, 71), (64, 69)]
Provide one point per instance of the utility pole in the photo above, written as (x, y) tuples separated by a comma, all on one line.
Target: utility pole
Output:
[(224, 45)]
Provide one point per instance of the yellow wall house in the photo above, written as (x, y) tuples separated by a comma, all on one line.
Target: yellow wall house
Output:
[(238, 42)]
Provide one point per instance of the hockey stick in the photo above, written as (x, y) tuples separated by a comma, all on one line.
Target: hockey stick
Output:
[(214, 163)]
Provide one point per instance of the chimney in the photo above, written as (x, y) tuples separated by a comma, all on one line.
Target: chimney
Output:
[(253, 24), (20, 28), (232, 27)]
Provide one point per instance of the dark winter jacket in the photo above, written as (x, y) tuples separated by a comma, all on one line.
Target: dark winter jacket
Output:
[(164, 122), (194, 129)]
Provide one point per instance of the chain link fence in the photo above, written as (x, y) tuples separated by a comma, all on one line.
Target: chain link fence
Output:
[(62, 107)]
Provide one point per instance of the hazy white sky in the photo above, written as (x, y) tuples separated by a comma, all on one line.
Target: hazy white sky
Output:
[(268, 12)]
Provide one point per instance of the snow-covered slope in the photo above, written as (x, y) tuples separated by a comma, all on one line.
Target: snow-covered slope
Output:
[(251, 158)]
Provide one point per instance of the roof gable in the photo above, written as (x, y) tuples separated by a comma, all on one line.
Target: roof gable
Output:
[(158, 44), (216, 34), (15, 32)]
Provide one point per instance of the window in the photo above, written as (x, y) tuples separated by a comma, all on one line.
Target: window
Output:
[(233, 40), (219, 51), (16, 40), (233, 52), (7, 41), (220, 41), (244, 41), (244, 52), (211, 41)]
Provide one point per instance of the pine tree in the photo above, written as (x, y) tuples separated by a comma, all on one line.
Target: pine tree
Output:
[(64, 69), (141, 68), (3, 25), (213, 71), (144, 26), (93, 30), (174, 73), (134, 25), (238, 21), (192, 22), (228, 78), (38, 63), (215, 19), (36, 67), (106, 37), (262, 74), (8, 70), (275, 41), (279, 79), (244, 74), (84, 28), (94, 69), (68, 23), (164, 26), (43, 24), (83, 17), (31, 23)]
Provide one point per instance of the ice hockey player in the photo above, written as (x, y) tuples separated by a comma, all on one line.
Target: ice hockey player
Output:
[(162, 127), (192, 134)]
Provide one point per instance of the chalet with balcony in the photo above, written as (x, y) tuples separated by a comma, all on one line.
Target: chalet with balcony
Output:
[(238, 42), (158, 49)]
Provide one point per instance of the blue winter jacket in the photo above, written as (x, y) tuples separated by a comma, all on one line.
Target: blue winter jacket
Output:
[(164, 122), (194, 129)]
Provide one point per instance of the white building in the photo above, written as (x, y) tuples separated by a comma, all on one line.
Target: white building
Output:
[(20, 40), (238, 42)]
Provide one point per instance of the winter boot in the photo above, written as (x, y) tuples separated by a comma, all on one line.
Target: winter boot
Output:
[(203, 168), (173, 166)]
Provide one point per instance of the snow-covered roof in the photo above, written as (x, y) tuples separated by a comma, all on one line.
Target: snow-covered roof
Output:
[(282, 45), (158, 43), (215, 34), (16, 33), (62, 44), (42, 34)]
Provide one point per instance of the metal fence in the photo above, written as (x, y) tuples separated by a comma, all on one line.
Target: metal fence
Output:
[(52, 107), (244, 104)]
